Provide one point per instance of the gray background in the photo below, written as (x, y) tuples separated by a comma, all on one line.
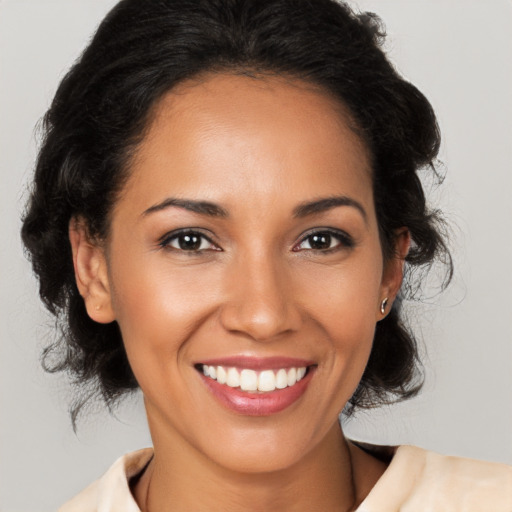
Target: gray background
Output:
[(459, 53)]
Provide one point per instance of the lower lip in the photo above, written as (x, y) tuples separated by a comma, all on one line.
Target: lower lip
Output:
[(258, 404)]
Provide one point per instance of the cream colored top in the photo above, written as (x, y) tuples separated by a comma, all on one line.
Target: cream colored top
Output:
[(416, 480)]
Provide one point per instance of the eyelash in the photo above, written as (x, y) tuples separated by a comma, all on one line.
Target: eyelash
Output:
[(166, 241), (344, 241)]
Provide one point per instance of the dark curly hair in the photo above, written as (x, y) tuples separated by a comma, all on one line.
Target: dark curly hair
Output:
[(101, 110)]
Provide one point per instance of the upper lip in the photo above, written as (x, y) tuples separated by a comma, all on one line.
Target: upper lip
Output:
[(258, 363)]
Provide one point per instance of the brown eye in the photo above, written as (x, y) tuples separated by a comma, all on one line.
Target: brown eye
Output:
[(325, 241), (320, 241), (189, 241)]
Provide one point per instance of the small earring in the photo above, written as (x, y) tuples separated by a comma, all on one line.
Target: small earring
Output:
[(383, 305), (97, 307)]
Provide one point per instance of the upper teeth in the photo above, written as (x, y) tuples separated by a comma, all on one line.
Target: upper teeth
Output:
[(252, 380)]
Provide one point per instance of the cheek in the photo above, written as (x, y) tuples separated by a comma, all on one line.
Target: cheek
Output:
[(158, 309), (346, 297), (344, 305), (350, 333)]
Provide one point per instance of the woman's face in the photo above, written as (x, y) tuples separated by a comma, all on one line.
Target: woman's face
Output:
[(246, 241)]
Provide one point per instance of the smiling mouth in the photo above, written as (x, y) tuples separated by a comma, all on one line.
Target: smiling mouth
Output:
[(254, 381)]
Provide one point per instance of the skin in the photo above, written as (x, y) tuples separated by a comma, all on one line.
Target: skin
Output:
[(258, 148)]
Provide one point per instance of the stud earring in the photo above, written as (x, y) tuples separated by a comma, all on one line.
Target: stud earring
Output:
[(97, 307), (383, 305)]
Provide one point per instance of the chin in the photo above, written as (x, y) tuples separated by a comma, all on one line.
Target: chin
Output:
[(267, 446)]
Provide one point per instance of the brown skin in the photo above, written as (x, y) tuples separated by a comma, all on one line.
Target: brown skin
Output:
[(258, 148)]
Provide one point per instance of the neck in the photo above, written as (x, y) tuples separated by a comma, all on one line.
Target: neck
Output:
[(181, 479)]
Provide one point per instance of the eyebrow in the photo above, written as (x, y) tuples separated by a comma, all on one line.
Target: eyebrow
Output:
[(214, 210), (201, 207), (328, 203)]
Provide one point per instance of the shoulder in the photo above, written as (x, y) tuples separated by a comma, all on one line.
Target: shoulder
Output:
[(420, 480), (112, 491)]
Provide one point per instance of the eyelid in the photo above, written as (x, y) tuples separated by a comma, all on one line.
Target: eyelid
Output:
[(164, 241), (345, 240)]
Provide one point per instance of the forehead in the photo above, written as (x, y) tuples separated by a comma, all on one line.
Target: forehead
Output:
[(224, 132)]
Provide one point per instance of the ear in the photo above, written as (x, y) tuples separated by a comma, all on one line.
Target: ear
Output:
[(91, 274), (394, 271)]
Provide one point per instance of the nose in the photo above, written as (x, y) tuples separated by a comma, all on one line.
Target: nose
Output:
[(259, 300)]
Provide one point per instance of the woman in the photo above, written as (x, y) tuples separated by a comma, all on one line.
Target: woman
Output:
[(222, 210)]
